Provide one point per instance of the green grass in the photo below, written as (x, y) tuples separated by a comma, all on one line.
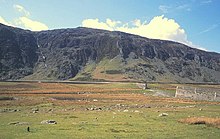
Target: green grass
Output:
[(107, 124), (74, 121), (85, 74), (111, 64), (104, 65)]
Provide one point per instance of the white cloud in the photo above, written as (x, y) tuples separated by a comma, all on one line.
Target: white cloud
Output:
[(22, 10), (174, 8), (3, 21), (159, 27), (206, 1), (30, 24), (112, 23), (185, 7), (164, 8), (24, 21), (94, 23), (209, 29), (137, 22), (201, 48)]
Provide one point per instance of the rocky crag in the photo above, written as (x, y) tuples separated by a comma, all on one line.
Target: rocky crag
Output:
[(92, 54)]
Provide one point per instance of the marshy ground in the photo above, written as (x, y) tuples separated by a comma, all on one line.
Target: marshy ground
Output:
[(115, 110)]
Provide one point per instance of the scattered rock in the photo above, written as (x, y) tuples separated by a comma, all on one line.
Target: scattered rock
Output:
[(23, 123), (94, 108), (163, 114), (13, 123), (18, 123), (50, 110), (35, 110), (190, 106), (49, 122), (9, 110), (84, 122), (96, 119), (15, 110)]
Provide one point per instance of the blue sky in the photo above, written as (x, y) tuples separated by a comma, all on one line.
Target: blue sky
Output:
[(193, 22)]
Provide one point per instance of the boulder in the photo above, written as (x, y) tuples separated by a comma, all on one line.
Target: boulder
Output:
[(48, 122), (18, 123), (163, 114)]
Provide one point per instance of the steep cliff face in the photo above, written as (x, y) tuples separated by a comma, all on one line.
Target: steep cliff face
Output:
[(18, 52), (63, 53), (91, 54)]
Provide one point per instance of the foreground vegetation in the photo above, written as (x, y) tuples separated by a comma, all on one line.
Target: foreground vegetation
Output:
[(116, 110)]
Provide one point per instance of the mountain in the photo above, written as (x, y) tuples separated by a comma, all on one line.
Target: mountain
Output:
[(92, 54), (18, 52)]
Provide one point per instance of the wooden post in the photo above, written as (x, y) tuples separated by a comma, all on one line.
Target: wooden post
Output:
[(145, 86)]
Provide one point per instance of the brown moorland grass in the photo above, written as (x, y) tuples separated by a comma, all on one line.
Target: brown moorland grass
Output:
[(31, 93), (215, 122), (114, 110), (42, 88)]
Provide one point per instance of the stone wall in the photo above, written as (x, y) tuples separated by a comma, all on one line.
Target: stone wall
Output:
[(198, 93), (142, 85)]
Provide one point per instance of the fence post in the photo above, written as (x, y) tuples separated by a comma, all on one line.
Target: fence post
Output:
[(176, 91), (215, 95)]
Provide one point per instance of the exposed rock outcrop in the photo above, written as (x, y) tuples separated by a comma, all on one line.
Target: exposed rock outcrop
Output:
[(92, 54)]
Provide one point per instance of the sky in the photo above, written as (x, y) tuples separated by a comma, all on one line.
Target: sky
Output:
[(195, 23)]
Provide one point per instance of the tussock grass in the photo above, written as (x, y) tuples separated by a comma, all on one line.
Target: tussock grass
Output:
[(215, 122), (121, 110)]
